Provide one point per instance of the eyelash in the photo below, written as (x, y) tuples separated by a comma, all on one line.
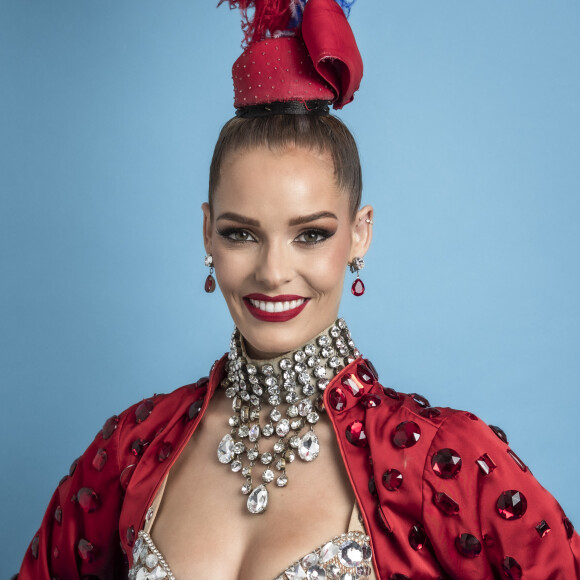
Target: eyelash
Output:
[(229, 233)]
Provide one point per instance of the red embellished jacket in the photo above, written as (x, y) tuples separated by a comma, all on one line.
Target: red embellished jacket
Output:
[(441, 493)]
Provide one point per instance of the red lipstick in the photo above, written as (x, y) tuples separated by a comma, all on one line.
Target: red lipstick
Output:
[(282, 303)]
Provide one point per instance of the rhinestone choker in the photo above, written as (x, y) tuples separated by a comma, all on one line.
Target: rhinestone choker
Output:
[(297, 378)]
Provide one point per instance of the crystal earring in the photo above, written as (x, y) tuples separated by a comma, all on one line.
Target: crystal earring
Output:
[(209, 286), (357, 288)]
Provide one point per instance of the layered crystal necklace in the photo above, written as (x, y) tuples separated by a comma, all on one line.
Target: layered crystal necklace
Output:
[(258, 388)]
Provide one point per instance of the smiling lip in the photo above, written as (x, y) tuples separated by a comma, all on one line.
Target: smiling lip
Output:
[(275, 308)]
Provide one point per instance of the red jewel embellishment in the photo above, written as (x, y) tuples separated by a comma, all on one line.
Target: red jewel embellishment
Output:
[(73, 466), (417, 537), (88, 499), (358, 288), (370, 401), (420, 400), (209, 285), (138, 447), (372, 486), (364, 374), (446, 463), (568, 527), (512, 504), (518, 461), (430, 412), (337, 399), (391, 393), (542, 528), (486, 464), (194, 409), (352, 386), (472, 416), (511, 568), (125, 476), (355, 433), (100, 459), (371, 367), (58, 515), (499, 432), (164, 451), (468, 545), (130, 535), (446, 504), (110, 426), (392, 479), (34, 546), (406, 434), (86, 550), (144, 410)]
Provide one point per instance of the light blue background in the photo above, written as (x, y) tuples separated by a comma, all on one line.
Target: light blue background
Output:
[(469, 128)]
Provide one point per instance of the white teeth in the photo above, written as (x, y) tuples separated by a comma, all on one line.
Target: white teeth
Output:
[(277, 306)]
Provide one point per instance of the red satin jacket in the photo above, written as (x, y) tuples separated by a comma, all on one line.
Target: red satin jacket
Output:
[(441, 493)]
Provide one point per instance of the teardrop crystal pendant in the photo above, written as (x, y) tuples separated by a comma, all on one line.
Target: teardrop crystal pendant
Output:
[(358, 288), (309, 447), (209, 284), (225, 450), (258, 500)]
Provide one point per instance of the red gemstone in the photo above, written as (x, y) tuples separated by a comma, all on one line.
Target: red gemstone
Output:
[(209, 286), (372, 486), (417, 537), (391, 393), (512, 504), (86, 550), (100, 459), (337, 399), (144, 410), (364, 374), (383, 519), (392, 479), (164, 451), (446, 463), (372, 368), (58, 515), (130, 535), (358, 288), (518, 461), (73, 466), (138, 447), (499, 432), (34, 546), (125, 476), (486, 464), (350, 383), (446, 504), (406, 434), (203, 382), (194, 409), (88, 499), (430, 412), (421, 401), (542, 528), (110, 426), (370, 401), (355, 433), (568, 527), (472, 416), (511, 568), (468, 545)]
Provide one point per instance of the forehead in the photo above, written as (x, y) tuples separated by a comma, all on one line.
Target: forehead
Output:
[(294, 180)]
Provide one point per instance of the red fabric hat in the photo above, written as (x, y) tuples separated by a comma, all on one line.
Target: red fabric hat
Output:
[(295, 56)]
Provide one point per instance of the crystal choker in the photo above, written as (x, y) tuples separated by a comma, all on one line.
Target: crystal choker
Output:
[(298, 379)]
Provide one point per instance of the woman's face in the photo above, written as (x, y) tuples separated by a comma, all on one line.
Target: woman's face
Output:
[(281, 237)]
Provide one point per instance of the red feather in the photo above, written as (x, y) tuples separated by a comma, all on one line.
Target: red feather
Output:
[(268, 17)]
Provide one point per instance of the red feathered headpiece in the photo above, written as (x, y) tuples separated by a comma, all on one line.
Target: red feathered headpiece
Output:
[(295, 50)]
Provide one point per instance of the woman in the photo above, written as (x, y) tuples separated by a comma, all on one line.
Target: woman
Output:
[(440, 494)]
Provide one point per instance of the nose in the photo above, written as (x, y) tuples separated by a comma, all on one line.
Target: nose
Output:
[(274, 268)]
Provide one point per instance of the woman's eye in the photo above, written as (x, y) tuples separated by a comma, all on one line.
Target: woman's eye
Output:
[(236, 235), (313, 236)]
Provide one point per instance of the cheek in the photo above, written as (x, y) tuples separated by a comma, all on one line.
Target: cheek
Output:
[(327, 270)]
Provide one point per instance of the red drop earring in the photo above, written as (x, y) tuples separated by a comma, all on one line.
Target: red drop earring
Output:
[(209, 286), (358, 287)]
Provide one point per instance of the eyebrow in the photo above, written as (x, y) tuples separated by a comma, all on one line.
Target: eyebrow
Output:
[(236, 217)]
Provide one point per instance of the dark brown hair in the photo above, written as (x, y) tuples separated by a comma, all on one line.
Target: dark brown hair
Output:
[(322, 134)]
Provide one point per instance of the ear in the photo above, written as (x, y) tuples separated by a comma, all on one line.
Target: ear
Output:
[(207, 227), (362, 232)]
